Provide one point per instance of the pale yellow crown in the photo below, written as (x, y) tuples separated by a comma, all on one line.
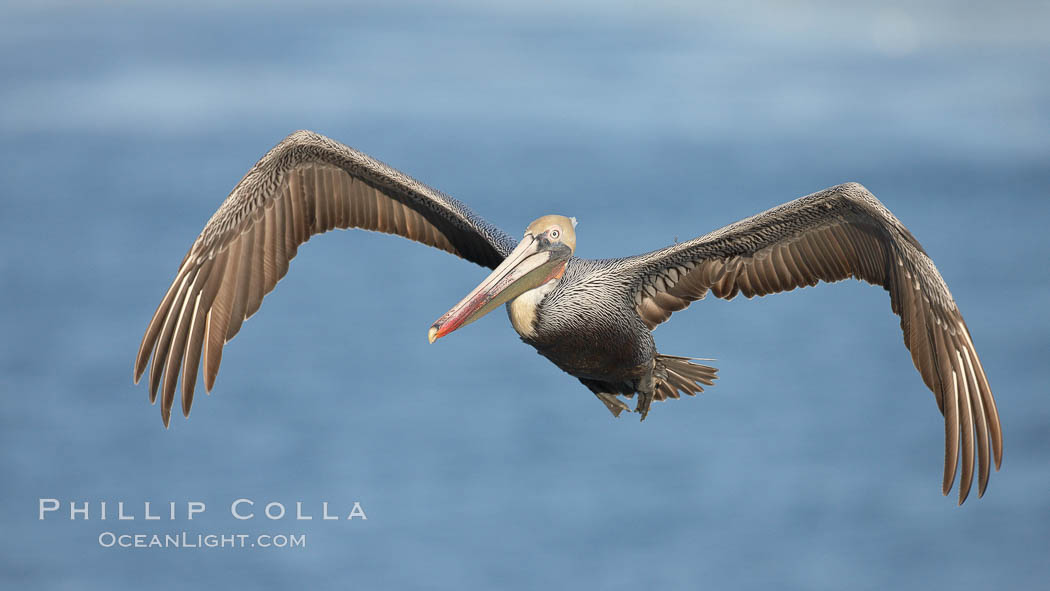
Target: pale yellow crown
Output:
[(566, 229)]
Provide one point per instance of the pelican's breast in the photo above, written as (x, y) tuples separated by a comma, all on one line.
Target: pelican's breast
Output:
[(523, 309)]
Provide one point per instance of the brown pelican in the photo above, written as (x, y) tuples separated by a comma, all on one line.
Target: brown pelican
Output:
[(592, 318)]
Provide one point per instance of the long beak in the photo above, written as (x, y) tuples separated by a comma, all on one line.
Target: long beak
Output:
[(524, 268)]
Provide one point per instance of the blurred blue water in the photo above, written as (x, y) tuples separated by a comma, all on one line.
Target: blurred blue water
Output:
[(815, 461)]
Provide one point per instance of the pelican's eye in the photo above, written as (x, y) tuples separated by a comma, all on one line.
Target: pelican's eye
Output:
[(554, 233)]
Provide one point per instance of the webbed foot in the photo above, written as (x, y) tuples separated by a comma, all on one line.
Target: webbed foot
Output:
[(644, 400), (613, 403)]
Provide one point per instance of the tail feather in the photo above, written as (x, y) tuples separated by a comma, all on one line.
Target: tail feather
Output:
[(671, 374), (681, 374)]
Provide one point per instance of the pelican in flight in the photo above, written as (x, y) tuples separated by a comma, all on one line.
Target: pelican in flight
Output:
[(592, 318)]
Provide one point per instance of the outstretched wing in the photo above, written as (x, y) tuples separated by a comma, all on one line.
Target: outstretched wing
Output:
[(831, 235), (306, 185)]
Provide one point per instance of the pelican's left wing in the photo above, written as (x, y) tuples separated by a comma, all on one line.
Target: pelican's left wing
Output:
[(831, 235), (306, 185)]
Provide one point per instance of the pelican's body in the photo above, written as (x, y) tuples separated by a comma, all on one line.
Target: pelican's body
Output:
[(585, 323), (591, 318)]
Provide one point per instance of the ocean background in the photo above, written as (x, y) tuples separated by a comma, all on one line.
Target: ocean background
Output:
[(814, 463)]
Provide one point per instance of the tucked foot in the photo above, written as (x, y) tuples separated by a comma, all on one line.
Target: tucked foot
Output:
[(645, 388), (613, 403), (644, 400)]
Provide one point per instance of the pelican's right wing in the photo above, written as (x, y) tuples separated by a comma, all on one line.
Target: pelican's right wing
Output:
[(305, 185)]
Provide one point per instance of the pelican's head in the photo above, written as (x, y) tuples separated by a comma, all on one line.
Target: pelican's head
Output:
[(540, 257)]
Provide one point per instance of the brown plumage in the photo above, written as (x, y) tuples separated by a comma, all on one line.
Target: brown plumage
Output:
[(593, 319), (832, 235), (306, 185)]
